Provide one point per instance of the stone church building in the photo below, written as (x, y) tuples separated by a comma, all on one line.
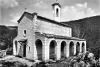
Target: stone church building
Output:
[(43, 39)]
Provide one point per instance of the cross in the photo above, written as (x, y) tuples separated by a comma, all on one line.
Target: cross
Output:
[(25, 8)]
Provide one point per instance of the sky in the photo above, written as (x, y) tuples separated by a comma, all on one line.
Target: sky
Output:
[(11, 10)]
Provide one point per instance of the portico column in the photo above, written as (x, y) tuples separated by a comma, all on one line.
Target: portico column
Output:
[(45, 51), (85, 46), (14, 49), (67, 49), (58, 51), (35, 57), (74, 48), (80, 46)]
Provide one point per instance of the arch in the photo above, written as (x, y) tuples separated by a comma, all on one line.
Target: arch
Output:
[(77, 47), (38, 44), (63, 49), (71, 48), (83, 47), (52, 53)]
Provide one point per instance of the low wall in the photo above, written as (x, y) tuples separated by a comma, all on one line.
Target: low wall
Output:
[(2, 53)]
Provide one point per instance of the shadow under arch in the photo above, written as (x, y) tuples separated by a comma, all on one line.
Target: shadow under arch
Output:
[(83, 47), (52, 52), (63, 49), (16, 45), (77, 48), (71, 48), (39, 45)]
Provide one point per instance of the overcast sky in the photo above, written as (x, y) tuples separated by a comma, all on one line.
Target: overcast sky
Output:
[(11, 10)]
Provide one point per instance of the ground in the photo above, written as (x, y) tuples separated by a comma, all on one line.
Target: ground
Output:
[(79, 60), (28, 63)]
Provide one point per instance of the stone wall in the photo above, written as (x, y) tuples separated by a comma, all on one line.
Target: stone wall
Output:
[(28, 25), (51, 28)]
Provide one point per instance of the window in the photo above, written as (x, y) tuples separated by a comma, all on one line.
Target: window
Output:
[(29, 48), (24, 33)]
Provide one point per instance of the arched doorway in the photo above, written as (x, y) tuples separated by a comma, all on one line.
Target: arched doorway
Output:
[(71, 48), (83, 47), (77, 47), (38, 44), (52, 53), (63, 49)]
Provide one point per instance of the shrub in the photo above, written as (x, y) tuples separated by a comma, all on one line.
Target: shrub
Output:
[(13, 64), (18, 64)]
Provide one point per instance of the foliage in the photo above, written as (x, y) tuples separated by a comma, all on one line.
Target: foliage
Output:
[(89, 29), (7, 34), (13, 64)]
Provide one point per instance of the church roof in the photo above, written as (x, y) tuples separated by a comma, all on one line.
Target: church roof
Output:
[(31, 16), (59, 36), (53, 21), (56, 4)]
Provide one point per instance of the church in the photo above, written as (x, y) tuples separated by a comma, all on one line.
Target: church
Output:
[(41, 38)]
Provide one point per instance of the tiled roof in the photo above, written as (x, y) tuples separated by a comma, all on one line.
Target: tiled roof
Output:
[(59, 36), (31, 16)]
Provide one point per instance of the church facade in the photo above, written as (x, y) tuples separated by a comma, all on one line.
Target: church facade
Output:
[(43, 39)]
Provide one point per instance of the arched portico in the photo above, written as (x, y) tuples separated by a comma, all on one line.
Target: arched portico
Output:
[(52, 52), (38, 44), (63, 49), (71, 48)]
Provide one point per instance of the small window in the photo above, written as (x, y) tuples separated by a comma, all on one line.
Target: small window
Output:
[(24, 33), (29, 48)]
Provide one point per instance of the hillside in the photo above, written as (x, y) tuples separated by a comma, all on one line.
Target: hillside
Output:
[(89, 29), (7, 34)]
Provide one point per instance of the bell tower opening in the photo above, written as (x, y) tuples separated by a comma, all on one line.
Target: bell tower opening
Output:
[(56, 11)]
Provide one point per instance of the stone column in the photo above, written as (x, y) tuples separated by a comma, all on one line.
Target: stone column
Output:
[(75, 48), (35, 57), (80, 46), (85, 46), (67, 49), (45, 52), (14, 48), (58, 50)]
